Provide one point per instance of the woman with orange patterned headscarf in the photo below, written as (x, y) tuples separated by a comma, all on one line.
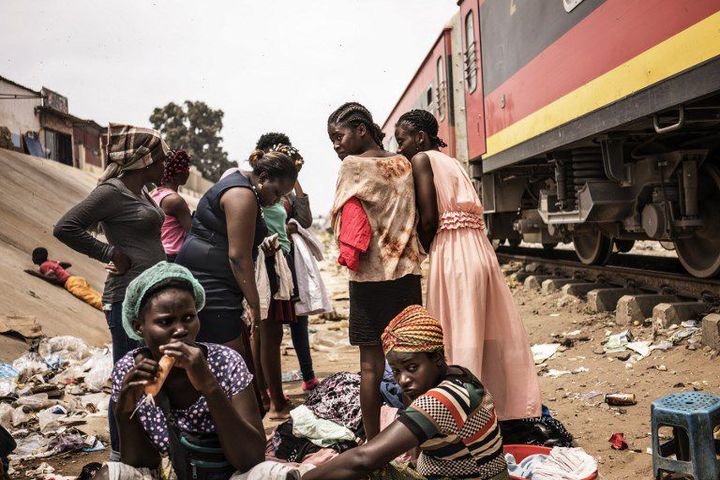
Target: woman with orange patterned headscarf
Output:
[(451, 416)]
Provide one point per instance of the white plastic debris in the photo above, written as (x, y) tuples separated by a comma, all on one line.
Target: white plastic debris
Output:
[(642, 348), (543, 351)]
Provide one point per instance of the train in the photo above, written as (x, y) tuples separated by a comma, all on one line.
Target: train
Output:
[(595, 122)]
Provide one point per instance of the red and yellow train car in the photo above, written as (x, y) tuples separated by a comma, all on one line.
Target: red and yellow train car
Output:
[(591, 121)]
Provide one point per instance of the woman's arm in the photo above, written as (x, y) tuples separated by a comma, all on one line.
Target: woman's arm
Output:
[(426, 199), (72, 228), (240, 208), (176, 206), (358, 462), (301, 207), (237, 421)]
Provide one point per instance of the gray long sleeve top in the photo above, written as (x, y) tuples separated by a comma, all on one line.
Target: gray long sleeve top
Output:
[(131, 223)]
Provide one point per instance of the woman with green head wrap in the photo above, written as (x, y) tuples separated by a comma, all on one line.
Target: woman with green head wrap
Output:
[(206, 399)]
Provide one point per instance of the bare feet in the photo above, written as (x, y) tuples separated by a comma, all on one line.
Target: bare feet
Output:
[(280, 412)]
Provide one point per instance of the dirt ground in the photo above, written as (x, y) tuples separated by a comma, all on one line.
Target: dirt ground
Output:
[(34, 193), (575, 399)]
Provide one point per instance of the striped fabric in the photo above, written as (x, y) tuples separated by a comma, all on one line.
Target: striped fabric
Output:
[(413, 330), (457, 428)]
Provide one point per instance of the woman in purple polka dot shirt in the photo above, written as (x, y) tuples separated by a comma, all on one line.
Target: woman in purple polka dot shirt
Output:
[(208, 391)]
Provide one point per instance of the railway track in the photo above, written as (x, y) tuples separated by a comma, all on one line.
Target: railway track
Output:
[(663, 275)]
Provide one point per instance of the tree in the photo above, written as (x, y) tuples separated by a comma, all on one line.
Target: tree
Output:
[(195, 127)]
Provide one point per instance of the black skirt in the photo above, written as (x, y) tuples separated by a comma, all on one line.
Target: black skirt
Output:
[(373, 305)]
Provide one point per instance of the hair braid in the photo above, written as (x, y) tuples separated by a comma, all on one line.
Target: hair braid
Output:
[(353, 114), (423, 121)]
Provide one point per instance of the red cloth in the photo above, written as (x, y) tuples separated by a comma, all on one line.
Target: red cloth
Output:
[(355, 234), (51, 268)]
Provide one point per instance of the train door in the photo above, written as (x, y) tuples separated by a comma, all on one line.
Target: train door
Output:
[(472, 72)]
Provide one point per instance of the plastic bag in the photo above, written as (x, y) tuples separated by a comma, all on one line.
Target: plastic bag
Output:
[(29, 364), (99, 368), (66, 347)]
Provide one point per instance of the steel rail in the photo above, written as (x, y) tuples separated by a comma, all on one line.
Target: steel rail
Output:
[(655, 274)]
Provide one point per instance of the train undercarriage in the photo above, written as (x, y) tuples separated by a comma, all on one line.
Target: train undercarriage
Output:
[(657, 178)]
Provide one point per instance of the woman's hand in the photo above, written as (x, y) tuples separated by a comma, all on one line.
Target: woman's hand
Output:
[(120, 263), (191, 359), (270, 246), (145, 371), (292, 228)]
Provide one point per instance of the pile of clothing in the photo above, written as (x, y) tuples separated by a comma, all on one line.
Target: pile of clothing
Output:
[(560, 464), (329, 419)]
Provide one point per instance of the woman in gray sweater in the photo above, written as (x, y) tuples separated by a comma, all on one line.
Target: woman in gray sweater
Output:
[(130, 221)]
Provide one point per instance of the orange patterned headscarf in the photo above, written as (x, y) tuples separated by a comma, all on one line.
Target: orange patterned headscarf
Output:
[(414, 330)]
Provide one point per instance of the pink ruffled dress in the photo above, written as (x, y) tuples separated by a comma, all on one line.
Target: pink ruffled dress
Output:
[(468, 294)]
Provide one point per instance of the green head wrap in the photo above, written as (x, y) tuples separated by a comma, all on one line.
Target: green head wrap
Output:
[(139, 287)]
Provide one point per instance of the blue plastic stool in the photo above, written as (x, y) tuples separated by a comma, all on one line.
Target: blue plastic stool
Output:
[(693, 416)]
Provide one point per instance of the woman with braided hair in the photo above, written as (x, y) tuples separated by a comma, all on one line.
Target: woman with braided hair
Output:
[(177, 213), (466, 290), (374, 221), (450, 417)]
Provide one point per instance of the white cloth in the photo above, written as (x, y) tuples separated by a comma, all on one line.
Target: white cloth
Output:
[(263, 285), (273, 471), (526, 467), (262, 280), (122, 471), (319, 431), (560, 464), (286, 285), (314, 299)]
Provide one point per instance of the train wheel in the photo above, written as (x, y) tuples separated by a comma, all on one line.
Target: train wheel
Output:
[(593, 248), (700, 253), (514, 242), (624, 246), (550, 246)]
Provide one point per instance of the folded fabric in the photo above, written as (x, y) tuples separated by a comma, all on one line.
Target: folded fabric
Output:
[(355, 234), (263, 285), (322, 433), (286, 286), (526, 467), (314, 299), (274, 471), (565, 464)]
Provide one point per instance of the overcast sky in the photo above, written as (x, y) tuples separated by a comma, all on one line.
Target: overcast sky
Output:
[(270, 65)]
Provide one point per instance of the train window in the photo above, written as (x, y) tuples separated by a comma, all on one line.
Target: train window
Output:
[(440, 95), (470, 53), (429, 105)]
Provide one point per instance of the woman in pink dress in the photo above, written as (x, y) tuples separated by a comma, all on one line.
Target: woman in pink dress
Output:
[(466, 289)]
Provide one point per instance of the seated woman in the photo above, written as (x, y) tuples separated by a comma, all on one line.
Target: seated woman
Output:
[(205, 416), (451, 417)]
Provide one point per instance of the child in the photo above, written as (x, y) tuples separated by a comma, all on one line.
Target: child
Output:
[(56, 273)]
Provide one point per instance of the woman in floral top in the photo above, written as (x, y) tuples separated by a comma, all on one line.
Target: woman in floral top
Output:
[(207, 392)]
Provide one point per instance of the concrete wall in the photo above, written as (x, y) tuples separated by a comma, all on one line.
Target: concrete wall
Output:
[(196, 184), (18, 115)]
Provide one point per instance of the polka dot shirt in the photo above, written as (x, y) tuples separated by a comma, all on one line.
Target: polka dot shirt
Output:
[(231, 373)]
